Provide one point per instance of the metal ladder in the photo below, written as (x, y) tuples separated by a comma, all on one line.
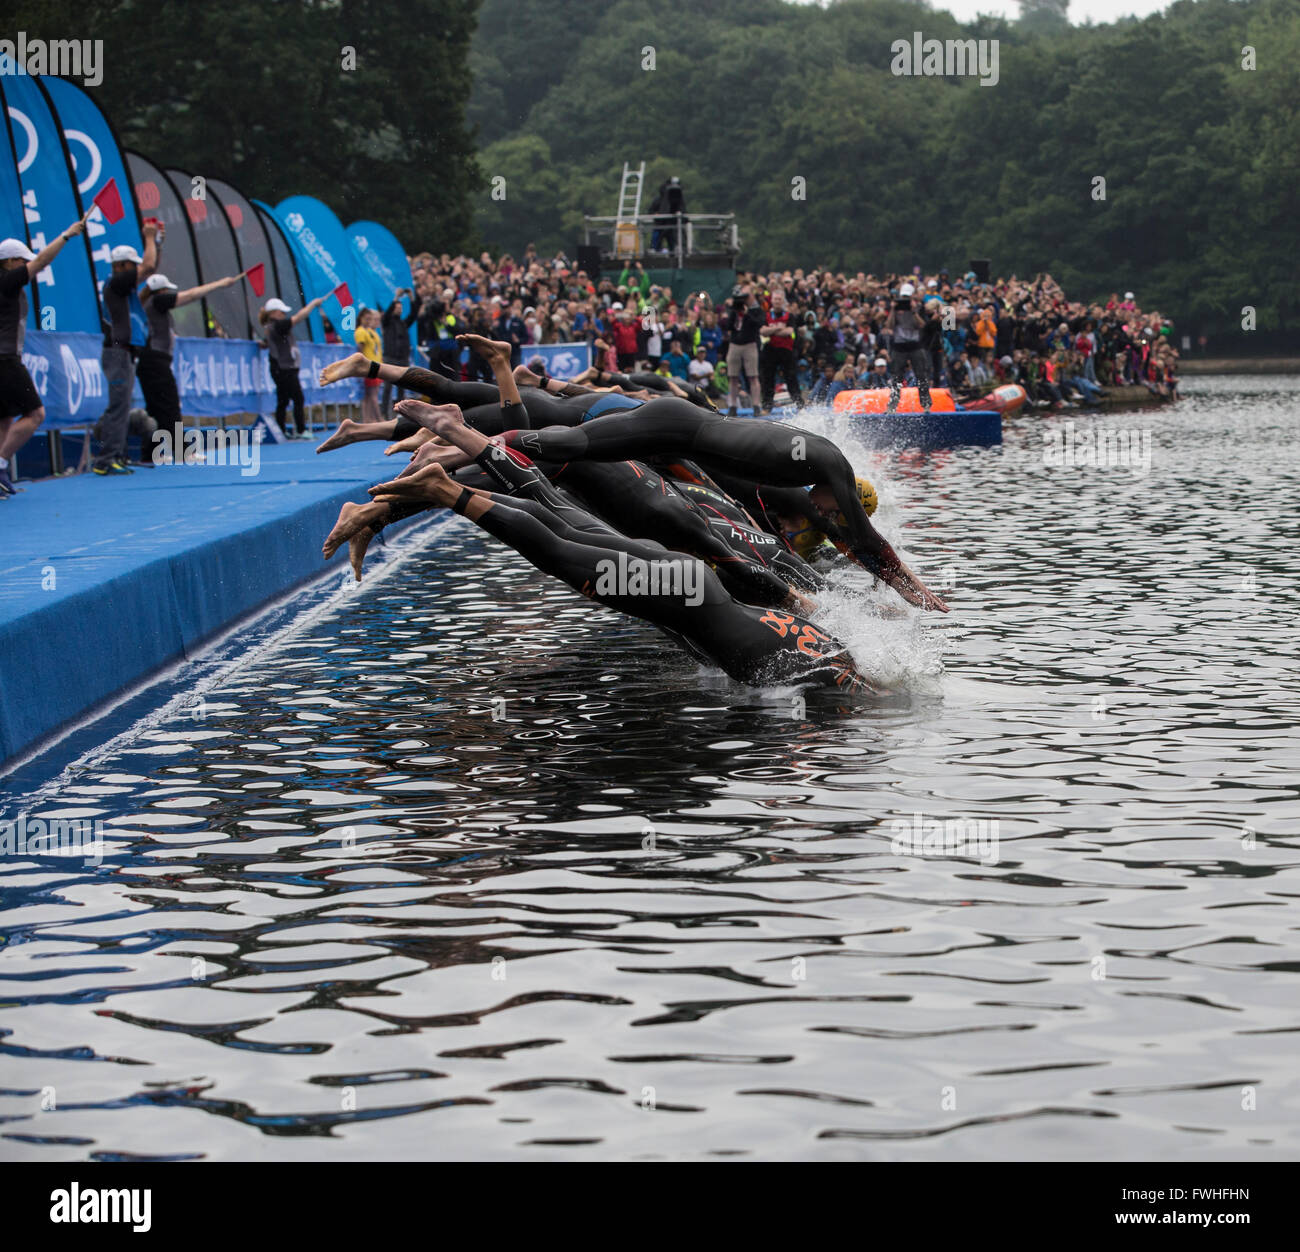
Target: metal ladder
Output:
[(627, 233)]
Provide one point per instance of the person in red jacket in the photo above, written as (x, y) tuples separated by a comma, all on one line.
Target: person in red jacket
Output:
[(778, 352), (624, 337)]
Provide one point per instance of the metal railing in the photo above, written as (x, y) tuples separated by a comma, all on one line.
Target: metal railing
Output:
[(669, 238)]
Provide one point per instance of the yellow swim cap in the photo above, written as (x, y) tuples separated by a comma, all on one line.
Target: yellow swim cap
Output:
[(804, 541), (867, 494)]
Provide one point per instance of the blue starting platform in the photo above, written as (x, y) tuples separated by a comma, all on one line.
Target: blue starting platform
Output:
[(105, 580), (927, 432)]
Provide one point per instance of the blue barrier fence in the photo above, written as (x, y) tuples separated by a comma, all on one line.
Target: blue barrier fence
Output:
[(216, 377)]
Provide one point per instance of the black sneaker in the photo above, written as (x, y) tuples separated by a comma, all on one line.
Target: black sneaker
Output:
[(114, 467)]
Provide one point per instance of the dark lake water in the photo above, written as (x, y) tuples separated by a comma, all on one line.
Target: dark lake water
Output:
[(459, 865)]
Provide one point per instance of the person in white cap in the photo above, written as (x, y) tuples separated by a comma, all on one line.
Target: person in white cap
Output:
[(154, 368), (278, 321), (125, 330), (18, 395)]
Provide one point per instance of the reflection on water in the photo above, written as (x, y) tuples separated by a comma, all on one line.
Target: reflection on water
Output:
[(466, 867)]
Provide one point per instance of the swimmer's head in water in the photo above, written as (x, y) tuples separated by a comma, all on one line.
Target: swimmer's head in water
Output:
[(805, 538)]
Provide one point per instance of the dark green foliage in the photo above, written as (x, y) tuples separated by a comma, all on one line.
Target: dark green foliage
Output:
[(253, 91), (1201, 158)]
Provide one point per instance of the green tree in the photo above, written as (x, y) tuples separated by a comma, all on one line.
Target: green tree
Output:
[(262, 95)]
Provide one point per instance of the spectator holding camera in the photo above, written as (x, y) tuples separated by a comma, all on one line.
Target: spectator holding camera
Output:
[(741, 327), (906, 328)]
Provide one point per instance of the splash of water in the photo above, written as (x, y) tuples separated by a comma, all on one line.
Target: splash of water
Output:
[(894, 644)]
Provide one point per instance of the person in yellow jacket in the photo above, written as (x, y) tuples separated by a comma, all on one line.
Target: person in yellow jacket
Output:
[(371, 347)]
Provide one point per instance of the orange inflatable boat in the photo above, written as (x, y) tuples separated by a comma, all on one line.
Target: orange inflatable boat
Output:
[(1005, 399)]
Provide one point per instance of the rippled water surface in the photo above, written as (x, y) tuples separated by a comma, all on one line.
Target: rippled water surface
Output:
[(461, 865)]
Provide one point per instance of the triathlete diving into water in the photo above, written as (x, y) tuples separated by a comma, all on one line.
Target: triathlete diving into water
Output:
[(572, 477)]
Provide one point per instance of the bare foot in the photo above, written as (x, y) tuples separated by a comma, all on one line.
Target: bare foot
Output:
[(411, 443), (430, 485), (485, 347), (357, 546), (353, 518), (348, 432), (524, 377), (434, 417), (354, 366)]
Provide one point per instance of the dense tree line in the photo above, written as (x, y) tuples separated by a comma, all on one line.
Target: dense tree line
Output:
[(1200, 155), (267, 96)]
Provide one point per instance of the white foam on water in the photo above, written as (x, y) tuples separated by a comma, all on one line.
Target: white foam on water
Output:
[(894, 643)]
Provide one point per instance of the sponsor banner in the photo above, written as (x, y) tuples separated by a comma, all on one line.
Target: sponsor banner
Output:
[(288, 274), (325, 258), (218, 254), (563, 360), (66, 288), (254, 249), (377, 253), (158, 198), (96, 158), (216, 377)]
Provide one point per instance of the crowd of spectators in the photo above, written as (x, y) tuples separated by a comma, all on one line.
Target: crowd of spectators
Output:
[(821, 332)]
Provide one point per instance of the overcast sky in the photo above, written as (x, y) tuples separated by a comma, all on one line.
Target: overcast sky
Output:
[(1081, 11), (1098, 11)]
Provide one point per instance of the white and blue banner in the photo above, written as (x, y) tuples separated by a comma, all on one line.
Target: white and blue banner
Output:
[(216, 377), (68, 295), (96, 158), (324, 256), (377, 253), (12, 223), (563, 360)]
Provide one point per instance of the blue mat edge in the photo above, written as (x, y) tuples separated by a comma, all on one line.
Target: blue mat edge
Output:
[(115, 634)]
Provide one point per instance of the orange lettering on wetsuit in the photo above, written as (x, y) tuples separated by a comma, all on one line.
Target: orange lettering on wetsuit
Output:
[(807, 637), (779, 622)]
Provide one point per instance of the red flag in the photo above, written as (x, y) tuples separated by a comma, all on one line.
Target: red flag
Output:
[(109, 202), (257, 279), (343, 295)]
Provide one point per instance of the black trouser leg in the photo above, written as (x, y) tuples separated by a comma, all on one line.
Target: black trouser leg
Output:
[(767, 376)]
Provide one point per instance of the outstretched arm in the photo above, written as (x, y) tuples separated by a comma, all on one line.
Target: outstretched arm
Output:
[(307, 309), (55, 246), (194, 293)]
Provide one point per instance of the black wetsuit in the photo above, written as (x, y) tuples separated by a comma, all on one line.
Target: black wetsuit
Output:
[(644, 505), (656, 382), (767, 505), (753, 645), (481, 404), (734, 525), (769, 452)]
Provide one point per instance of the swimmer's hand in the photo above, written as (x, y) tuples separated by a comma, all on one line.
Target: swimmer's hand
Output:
[(911, 588), (800, 603)]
